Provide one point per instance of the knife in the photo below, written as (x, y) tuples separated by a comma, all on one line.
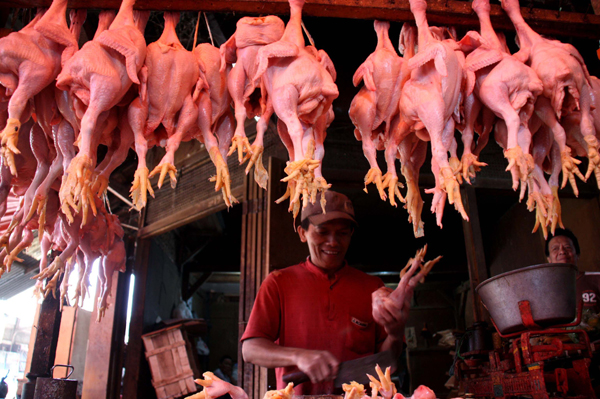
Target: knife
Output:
[(351, 370)]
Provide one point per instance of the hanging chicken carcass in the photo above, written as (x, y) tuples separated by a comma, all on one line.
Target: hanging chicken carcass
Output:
[(215, 119), (168, 78), (566, 87), (428, 105), (376, 104), (30, 60), (299, 85), (249, 97), (98, 76)]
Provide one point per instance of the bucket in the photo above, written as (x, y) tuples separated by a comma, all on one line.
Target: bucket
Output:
[(56, 388), (550, 289)]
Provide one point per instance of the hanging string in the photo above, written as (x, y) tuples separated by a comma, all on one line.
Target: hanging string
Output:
[(310, 39), (209, 31), (196, 31)]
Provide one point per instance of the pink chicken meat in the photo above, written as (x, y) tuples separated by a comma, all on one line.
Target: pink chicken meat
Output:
[(376, 104), (169, 76), (98, 76), (299, 82)]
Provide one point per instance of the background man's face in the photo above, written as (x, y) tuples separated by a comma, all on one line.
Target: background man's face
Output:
[(562, 250)]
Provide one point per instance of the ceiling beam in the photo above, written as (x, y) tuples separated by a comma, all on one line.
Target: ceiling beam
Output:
[(457, 13)]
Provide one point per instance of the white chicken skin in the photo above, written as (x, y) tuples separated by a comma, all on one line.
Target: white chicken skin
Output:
[(242, 49), (168, 78), (301, 88), (29, 61), (566, 87), (429, 101), (118, 55), (376, 104)]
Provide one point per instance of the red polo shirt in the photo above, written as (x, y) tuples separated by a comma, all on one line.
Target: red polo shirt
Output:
[(299, 307)]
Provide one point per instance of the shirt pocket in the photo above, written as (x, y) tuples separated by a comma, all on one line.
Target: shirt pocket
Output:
[(360, 338)]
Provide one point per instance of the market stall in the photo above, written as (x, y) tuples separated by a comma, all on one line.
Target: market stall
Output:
[(94, 111)]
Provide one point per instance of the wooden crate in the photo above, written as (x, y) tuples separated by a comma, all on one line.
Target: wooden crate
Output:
[(171, 360)]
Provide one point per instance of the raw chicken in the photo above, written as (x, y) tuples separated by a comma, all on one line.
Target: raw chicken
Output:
[(285, 393), (100, 238), (48, 117), (215, 119), (249, 98), (387, 302), (169, 76), (422, 392), (354, 390), (383, 385), (215, 387), (118, 54), (376, 104), (299, 82), (29, 61), (428, 105), (509, 89), (566, 87)]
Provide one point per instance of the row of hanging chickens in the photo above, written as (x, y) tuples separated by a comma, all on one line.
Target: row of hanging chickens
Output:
[(61, 102), (540, 102)]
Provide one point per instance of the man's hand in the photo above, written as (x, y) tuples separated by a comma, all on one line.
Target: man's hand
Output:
[(388, 314), (319, 366)]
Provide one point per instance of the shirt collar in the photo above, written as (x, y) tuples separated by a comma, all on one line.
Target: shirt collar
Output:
[(321, 273)]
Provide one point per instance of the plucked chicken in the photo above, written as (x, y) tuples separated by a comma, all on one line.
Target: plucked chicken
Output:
[(566, 87), (376, 104), (98, 76), (30, 60), (429, 104), (168, 78), (508, 88), (300, 88), (215, 119), (249, 99)]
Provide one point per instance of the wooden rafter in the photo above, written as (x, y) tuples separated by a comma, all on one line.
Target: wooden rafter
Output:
[(457, 13)]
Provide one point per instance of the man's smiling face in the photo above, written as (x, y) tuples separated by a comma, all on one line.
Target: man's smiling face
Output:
[(328, 243)]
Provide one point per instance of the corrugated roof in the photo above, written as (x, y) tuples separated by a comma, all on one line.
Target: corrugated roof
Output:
[(19, 278)]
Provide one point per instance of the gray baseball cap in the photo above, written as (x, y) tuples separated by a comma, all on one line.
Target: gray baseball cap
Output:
[(337, 206)]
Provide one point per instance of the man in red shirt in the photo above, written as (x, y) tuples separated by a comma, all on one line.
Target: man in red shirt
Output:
[(316, 314)]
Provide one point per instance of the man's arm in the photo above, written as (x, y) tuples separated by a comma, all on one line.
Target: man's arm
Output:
[(318, 365)]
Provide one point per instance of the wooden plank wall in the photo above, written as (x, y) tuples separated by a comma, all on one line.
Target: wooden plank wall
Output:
[(253, 270), (269, 242)]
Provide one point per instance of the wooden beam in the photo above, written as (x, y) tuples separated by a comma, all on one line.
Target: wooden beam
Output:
[(474, 246), (457, 13)]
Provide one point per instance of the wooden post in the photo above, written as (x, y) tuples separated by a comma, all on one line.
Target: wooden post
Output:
[(474, 247), (267, 227), (46, 339), (117, 356), (135, 350), (253, 271), (97, 360)]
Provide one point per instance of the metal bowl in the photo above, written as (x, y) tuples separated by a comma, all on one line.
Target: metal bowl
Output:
[(550, 289)]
